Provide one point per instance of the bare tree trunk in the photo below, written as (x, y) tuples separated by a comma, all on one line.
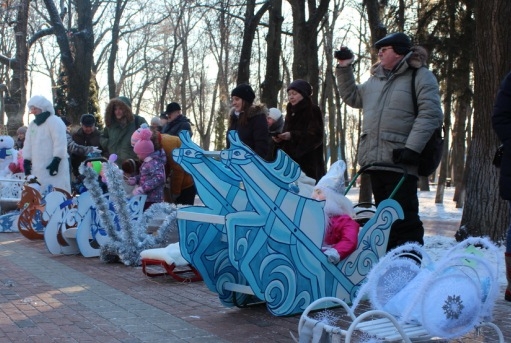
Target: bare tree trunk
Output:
[(15, 103), (222, 81), (378, 30), (120, 5), (463, 105), (424, 183), (484, 212), (81, 70), (305, 45), (76, 51), (251, 22), (273, 79)]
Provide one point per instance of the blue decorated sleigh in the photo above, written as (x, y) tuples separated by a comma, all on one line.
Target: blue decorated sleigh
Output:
[(256, 239)]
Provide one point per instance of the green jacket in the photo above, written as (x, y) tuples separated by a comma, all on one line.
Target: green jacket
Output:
[(116, 139)]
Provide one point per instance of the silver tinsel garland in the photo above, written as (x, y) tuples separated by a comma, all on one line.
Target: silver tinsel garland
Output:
[(132, 238)]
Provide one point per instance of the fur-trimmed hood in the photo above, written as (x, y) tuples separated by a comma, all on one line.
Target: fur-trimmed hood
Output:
[(110, 115), (254, 111)]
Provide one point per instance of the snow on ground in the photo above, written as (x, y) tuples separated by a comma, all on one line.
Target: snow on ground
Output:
[(437, 245)]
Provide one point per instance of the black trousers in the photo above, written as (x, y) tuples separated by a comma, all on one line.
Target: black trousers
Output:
[(187, 196), (409, 229)]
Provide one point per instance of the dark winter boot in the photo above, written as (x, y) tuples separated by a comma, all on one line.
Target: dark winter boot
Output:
[(507, 296)]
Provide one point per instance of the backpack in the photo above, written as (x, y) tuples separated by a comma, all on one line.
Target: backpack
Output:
[(431, 155)]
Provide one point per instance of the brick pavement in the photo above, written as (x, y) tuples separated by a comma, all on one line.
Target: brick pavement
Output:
[(48, 298)]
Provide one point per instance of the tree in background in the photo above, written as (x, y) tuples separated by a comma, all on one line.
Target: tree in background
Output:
[(76, 54), (15, 102), (306, 21), (484, 213), (272, 83)]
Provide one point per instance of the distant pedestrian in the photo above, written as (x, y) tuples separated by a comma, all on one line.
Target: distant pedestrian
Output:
[(176, 121), (164, 119), (88, 136), (156, 124), (20, 137)]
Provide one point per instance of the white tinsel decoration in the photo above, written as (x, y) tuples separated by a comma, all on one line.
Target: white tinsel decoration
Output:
[(127, 244)]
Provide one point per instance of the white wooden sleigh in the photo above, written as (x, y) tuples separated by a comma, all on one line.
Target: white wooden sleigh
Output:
[(447, 299)]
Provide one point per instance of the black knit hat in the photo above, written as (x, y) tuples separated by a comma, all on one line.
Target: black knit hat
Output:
[(245, 92), (87, 120), (172, 107), (400, 43), (302, 87)]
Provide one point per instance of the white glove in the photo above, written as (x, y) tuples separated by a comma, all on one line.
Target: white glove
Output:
[(96, 150), (333, 255)]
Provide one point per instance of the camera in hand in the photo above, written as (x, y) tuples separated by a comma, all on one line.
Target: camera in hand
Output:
[(343, 53)]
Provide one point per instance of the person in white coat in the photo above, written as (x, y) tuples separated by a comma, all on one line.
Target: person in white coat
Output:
[(45, 149)]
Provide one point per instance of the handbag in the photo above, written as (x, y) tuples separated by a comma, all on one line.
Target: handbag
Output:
[(497, 158)]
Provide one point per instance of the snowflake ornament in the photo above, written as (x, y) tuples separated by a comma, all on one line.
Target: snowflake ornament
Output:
[(453, 307)]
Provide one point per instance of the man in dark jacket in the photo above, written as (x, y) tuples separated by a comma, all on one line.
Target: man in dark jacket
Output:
[(176, 120), (86, 135), (501, 120)]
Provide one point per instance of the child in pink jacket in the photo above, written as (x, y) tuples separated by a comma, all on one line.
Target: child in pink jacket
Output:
[(341, 232)]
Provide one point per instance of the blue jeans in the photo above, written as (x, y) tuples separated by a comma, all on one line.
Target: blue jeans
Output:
[(508, 234)]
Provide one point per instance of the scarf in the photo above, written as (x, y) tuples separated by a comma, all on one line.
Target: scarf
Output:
[(41, 118)]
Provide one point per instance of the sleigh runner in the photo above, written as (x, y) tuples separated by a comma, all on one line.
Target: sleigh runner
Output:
[(255, 236)]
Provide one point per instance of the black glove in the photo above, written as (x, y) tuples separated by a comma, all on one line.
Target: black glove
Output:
[(27, 167), (54, 166), (405, 156), (343, 53)]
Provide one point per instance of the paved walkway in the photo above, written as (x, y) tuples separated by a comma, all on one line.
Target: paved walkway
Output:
[(48, 298)]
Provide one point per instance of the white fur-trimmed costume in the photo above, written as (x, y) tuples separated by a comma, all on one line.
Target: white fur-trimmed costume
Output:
[(44, 142)]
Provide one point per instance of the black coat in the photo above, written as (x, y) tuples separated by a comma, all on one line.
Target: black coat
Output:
[(501, 120), (81, 138), (305, 123), (273, 130), (177, 125), (254, 133)]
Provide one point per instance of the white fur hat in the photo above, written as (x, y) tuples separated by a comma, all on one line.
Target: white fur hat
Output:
[(334, 178), (274, 113), (41, 103)]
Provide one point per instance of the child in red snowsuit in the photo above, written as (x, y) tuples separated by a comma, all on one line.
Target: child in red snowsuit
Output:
[(341, 232)]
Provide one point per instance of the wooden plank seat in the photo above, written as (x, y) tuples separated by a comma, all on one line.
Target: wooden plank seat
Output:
[(169, 262)]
